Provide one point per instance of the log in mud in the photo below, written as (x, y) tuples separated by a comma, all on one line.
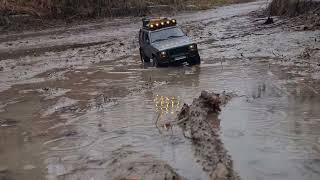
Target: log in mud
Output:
[(203, 131)]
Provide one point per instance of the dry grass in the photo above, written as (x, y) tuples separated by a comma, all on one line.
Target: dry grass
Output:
[(292, 7), (94, 8)]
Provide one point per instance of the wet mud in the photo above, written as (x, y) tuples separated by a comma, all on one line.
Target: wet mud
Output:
[(83, 98), (200, 121), (130, 165)]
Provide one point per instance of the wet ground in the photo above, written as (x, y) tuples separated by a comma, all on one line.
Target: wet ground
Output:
[(70, 97)]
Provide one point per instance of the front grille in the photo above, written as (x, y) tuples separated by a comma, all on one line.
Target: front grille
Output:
[(178, 51)]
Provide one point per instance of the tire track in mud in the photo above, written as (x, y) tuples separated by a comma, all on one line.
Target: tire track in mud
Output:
[(57, 48)]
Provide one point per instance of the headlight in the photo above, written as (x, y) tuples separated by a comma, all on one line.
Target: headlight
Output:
[(163, 54), (192, 47)]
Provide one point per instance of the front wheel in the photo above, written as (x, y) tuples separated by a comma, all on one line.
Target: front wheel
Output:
[(195, 61), (155, 62)]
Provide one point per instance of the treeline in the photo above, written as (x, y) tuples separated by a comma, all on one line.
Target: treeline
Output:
[(94, 8)]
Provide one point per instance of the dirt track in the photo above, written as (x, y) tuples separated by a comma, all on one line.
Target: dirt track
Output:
[(72, 96)]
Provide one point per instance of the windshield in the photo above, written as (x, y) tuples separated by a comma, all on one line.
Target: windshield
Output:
[(166, 34)]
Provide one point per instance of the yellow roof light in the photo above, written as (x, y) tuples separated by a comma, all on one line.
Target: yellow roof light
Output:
[(154, 24)]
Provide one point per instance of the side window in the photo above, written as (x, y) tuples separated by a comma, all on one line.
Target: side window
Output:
[(145, 37)]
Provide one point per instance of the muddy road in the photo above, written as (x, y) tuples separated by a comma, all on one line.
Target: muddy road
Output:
[(74, 99)]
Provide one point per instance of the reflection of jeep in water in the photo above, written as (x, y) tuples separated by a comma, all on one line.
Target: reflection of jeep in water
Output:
[(163, 42)]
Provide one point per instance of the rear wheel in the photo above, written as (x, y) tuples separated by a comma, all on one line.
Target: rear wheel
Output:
[(143, 57)]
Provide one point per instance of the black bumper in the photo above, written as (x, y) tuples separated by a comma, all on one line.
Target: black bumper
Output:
[(189, 58)]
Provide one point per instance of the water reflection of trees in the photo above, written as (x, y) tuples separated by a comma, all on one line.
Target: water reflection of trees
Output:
[(166, 108), (166, 104)]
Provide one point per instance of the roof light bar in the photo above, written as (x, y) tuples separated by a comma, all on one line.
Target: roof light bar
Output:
[(154, 24)]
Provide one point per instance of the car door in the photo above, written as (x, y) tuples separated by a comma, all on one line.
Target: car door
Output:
[(142, 41)]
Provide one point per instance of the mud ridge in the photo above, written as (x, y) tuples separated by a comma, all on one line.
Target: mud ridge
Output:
[(130, 165), (42, 50), (203, 131)]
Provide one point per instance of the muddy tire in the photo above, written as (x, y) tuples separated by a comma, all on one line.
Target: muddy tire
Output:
[(155, 62), (195, 61), (143, 57)]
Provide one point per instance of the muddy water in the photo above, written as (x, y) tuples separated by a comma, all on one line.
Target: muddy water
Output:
[(81, 94), (130, 120), (277, 130), (269, 131)]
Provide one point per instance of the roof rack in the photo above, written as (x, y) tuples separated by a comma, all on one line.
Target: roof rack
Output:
[(154, 24)]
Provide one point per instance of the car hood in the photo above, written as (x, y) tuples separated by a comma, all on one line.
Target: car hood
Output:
[(172, 43)]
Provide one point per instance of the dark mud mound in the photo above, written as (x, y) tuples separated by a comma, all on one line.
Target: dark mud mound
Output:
[(199, 122), (130, 165)]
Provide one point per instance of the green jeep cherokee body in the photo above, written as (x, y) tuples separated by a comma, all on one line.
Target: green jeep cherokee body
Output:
[(163, 42)]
